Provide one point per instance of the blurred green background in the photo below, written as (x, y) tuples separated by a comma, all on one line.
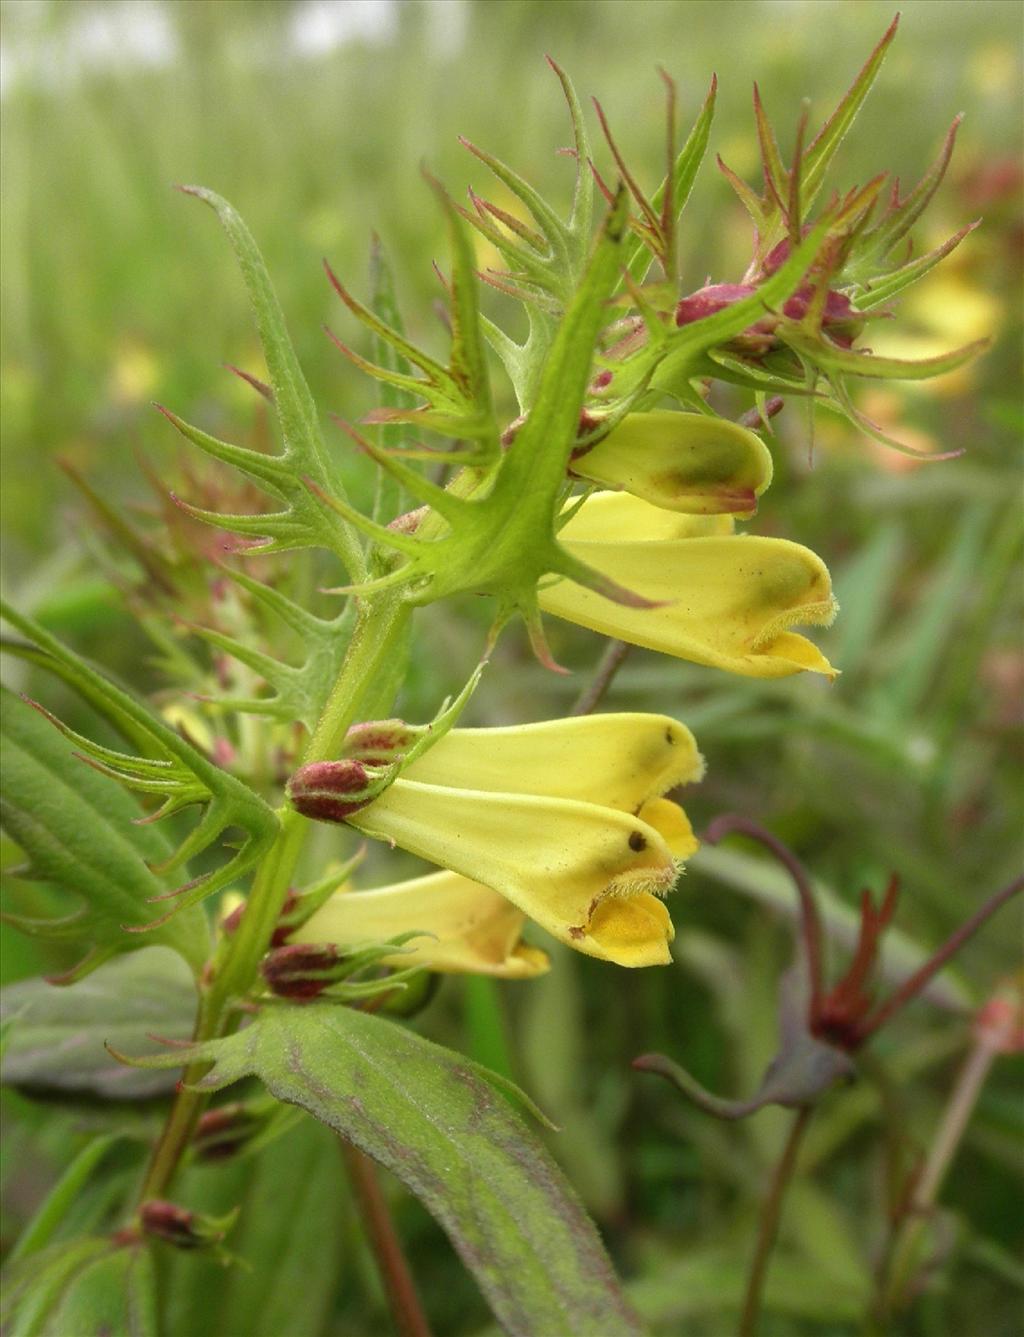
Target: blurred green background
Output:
[(314, 119)]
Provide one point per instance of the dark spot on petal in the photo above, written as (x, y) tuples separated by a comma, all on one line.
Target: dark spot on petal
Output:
[(637, 841)]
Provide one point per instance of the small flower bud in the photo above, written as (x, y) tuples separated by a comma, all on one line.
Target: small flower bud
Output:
[(706, 301), (221, 1132), (330, 791), (166, 1221), (303, 970), (379, 742), (184, 1229)]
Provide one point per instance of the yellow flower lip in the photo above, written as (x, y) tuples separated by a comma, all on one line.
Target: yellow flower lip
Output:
[(467, 928), (684, 462), (564, 819), (727, 600)]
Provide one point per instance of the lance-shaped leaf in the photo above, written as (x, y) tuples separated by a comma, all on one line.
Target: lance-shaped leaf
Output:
[(501, 539), (301, 523), (299, 690), (388, 496), (458, 396), (82, 1286), (773, 212), (56, 1037), (80, 833), (900, 216), (655, 228), (431, 1118), (175, 771), (890, 284)]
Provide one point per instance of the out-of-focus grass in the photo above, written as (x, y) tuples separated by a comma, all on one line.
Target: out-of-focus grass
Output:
[(119, 291)]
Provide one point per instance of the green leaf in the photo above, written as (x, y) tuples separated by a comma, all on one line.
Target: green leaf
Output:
[(51, 1213), (928, 626), (688, 161), (823, 148), (428, 1116), (292, 1240), (77, 830), (712, 1282), (304, 451), (57, 1036), (177, 772), (87, 1288)]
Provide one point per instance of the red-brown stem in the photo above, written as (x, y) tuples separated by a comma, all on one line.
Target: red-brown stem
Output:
[(593, 693), (406, 1310), (913, 986), (810, 920), (770, 1213)]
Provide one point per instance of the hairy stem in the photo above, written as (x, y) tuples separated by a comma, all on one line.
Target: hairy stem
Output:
[(406, 1310), (380, 624), (770, 1213)]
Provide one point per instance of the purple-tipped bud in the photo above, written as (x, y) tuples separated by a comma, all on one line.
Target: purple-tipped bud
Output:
[(706, 301), (285, 925), (221, 1132), (379, 742), (330, 791), (302, 970), (171, 1223)]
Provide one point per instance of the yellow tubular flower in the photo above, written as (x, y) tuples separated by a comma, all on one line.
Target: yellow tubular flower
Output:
[(681, 461), (728, 599), (563, 818), (473, 930)]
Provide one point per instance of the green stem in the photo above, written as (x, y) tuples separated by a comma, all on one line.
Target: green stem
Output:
[(770, 1213), (377, 631)]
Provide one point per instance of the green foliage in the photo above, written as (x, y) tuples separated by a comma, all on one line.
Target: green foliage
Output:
[(909, 761), (80, 833), (56, 1039), (89, 1286), (172, 769), (428, 1116)]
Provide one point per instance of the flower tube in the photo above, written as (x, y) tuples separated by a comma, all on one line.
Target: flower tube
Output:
[(685, 462), (467, 927), (565, 819), (727, 600)]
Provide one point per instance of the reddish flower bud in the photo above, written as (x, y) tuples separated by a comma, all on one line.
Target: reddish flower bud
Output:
[(221, 1132), (330, 791), (302, 970), (379, 742), (166, 1221), (229, 925), (706, 301)]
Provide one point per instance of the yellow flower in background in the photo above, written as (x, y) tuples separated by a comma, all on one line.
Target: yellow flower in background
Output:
[(473, 930), (684, 462), (565, 819), (728, 600)]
